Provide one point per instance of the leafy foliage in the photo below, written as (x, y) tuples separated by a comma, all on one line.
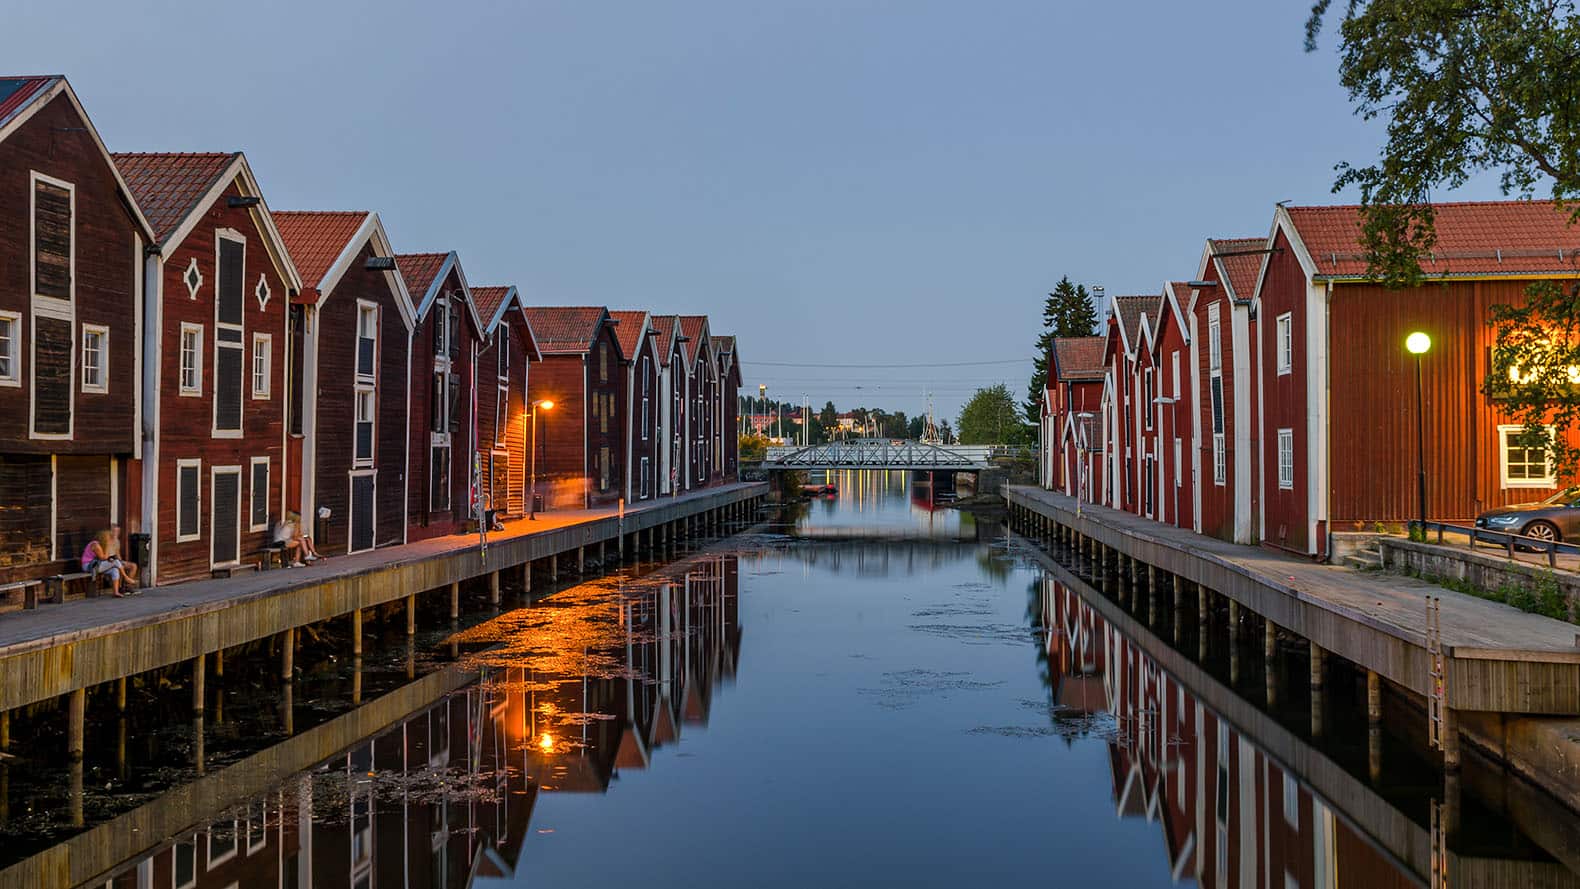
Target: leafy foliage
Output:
[(1068, 311), (1535, 355), (990, 417), (753, 448)]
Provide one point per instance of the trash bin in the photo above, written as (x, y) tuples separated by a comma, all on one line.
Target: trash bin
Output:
[(537, 502), (141, 548)]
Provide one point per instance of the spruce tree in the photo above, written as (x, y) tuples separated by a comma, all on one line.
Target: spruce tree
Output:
[(1067, 312)]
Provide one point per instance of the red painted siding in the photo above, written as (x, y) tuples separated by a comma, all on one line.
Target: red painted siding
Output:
[(425, 520), (644, 423), (1284, 401), (1217, 500)]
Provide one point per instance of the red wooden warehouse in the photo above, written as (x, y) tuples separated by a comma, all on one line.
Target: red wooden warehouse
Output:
[(1122, 417), (445, 477), (702, 413), (581, 441), (729, 404), (502, 412), (1076, 373), (349, 367), (1172, 406), (639, 343), (71, 352), (219, 284), (673, 376), (1223, 457)]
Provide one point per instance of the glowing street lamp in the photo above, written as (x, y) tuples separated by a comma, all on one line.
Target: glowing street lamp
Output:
[(532, 492), (1418, 344)]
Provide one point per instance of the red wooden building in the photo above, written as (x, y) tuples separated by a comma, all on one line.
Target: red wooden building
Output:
[(1170, 439), (1223, 456), (1076, 373), (1121, 414), (673, 381), (729, 405), (445, 476), (703, 467), (219, 282), (502, 413), (349, 365), (71, 351), (582, 440), (639, 344), (1339, 381)]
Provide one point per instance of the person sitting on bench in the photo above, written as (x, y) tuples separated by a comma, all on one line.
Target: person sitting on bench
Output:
[(97, 561), (285, 539), (309, 551), (128, 569)]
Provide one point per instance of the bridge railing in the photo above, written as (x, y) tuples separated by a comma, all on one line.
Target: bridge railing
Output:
[(979, 453)]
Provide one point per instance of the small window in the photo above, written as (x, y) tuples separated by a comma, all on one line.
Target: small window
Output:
[(193, 278), (504, 351), (262, 291), (1220, 473), (1147, 407), (367, 338), (603, 363), (191, 359), (189, 500), (262, 361), (646, 471), (364, 433), (1286, 343), (10, 349), (603, 469), (1174, 360), (501, 414), (1214, 340), (441, 333), (95, 358), (1524, 464), (1286, 459), (258, 516)]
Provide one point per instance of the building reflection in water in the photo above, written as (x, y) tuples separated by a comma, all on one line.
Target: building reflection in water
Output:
[(608, 673), (1229, 812)]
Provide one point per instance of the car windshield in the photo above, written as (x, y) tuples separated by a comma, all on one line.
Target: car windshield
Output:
[(1566, 497)]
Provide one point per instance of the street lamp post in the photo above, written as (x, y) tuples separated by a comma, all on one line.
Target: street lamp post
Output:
[(1418, 344), (532, 493)]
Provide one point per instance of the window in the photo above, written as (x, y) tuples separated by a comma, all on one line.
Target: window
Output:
[(604, 403), (262, 359), (184, 864), (603, 362), (1524, 464), (365, 403), (603, 469), (1291, 802), (1216, 387), (367, 338), (193, 278), (189, 500), (501, 414), (1214, 340), (221, 844), (1285, 344), (1179, 471), (230, 304), (1174, 361), (1219, 460), (441, 327), (647, 386), (262, 291), (1286, 459), (439, 478), (191, 359), (504, 351), (646, 472), (95, 358), (53, 231), (10, 349), (258, 515), (1147, 407)]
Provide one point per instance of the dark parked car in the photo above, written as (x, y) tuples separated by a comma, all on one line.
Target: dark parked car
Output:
[(1556, 518)]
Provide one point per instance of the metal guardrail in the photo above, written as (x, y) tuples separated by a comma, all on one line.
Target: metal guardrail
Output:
[(1501, 540)]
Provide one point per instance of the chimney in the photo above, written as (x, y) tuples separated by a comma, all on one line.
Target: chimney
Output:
[(1100, 302)]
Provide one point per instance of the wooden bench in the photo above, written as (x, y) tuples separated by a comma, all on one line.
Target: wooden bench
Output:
[(28, 588), (55, 586), (271, 556)]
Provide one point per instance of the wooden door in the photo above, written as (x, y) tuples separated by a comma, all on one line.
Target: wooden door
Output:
[(225, 523), (362, 512)]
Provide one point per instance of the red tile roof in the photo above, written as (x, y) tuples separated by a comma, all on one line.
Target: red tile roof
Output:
[(1243, 269), (315, 238), (693, 326), (168, 186), (1131, 309), (16, 93), (628, 330), (565, 329), (1079, 357), (488, 300), (419, 270), (666, 325), (1473, 238)]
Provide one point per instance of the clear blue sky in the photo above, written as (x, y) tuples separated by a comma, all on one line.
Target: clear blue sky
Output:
[(832, 181)]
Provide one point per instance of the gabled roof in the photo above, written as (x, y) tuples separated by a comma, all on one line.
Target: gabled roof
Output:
[(174, 188), (695, 327), (1241, 267), (1079, 358), (729, 362), (668, 327), (1474, 238), (566, 330), (630, 327), (1171, 308), (425, 274), (324, 243), (1131, 311), (22, 96), (495, 303)]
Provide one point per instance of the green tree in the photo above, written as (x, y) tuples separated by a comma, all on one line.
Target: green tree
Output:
[(1068, 311), (1468, 87), (990, 417), (753, 448), (897, 425), (916, 428)]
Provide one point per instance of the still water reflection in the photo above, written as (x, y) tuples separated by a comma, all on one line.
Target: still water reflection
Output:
[(869, 692)]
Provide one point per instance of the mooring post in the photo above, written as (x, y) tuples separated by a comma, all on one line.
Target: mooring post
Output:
[(411, 614), (219, 663), (199, 693), (455, 599), (581, 560), (75, 769), (356, 680), (288, 709), (554, 568), (5, 730), (1270, 659), (526, 576), (601, 551), (76, 723), (120, 697), (356, 632), (493, 587), (288, 657), (1373, 697)]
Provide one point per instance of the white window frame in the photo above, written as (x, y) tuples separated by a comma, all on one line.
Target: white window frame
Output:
[(1148, 395), (192, 266), (103, 332), (646, 487), (501, 413), (193, 463), (1174, 361), (356, 420), (1220, 461), (196, 390), (366, 309), (261, 291), (50, 306), (502, 346), (1284, 345), (214, 472), (1504, 431), (235, 237), (13, 349), (266, 340), (252, 491), (212, 862), (175, 850), (1286, 459), (1214, 340)]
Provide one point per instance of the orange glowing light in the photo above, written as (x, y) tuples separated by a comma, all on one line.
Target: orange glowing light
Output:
[(546, 743), (546, 405)]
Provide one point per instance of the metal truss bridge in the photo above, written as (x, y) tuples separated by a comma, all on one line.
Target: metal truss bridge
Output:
[(879, 453)]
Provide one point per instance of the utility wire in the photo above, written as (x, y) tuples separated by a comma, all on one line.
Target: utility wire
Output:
[(871, 366)]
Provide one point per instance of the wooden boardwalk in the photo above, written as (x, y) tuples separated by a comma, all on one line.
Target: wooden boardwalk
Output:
[(58, 649), (1498, 658)]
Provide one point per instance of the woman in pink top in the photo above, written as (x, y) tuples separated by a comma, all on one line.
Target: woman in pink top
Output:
[(98, 561)]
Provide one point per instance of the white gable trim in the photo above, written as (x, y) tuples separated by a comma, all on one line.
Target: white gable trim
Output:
[(371, 229)]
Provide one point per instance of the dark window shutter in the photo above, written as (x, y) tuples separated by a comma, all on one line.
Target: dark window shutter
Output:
[(51, 240), (438, 320), (364, 356), (455, 403), (455, 327), (227, 387), (230, 287), (364, 440), (1217, 405), (187, 494), (227, 496), (439, 474), (436, 404), (296, 369), (362, 512), (51, 375), (260, 493)]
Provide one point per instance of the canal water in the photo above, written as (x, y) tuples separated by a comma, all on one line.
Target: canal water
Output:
[(864, 690)]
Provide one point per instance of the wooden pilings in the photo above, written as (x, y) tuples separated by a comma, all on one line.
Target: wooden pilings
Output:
[(356, 632), (411, 614)]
